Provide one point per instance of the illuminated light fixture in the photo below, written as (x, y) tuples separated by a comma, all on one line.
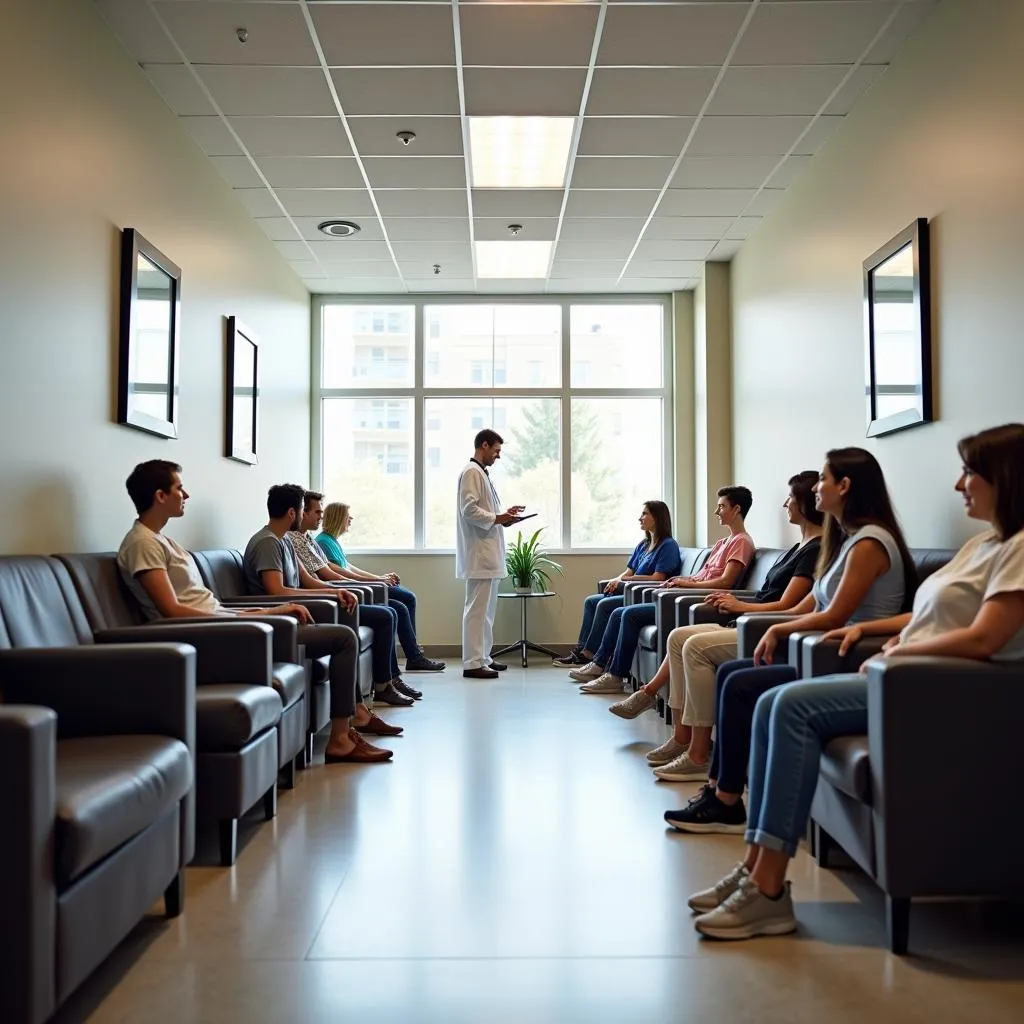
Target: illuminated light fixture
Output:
[(519, 152), (513, 259)]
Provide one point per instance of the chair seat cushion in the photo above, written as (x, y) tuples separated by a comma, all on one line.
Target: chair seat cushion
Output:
[(229, 715), (649, 638), (846, 765), (321, 668), (109, 789), (365, 638), (289, 681)]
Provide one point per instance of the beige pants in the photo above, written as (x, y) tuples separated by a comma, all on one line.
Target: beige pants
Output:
[(694, 654)]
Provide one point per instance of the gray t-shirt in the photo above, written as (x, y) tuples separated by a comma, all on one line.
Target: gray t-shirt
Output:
[(885, 596), (266, 551)]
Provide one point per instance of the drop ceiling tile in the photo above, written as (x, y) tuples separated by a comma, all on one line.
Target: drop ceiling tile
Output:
[(237, 171), (515, 286), (364, 91), (292, 136), (327, 203), (267, 91), (279, 229), (654, 285), (435, 252), (206, 33), (517, 203), (675, 228), (675, 35), (743, 228), (580, 286), (580, 269), (818, 135), (607, 249), (633, 136), (544, 92), (775, 90), (212, 134), (744, 136), (414, 202), (496, 229), (308, 269), (360, 34), (854, 87), (293, 250), (358, 287), (610, 202), (725, 250), (427, 229), (601, 229), (139, 31), (369, 230), (415, 172), (435, 136), (789, 172), (454, 286), (908, 19), (638, 91), (649, 251), (179, 89), (765, 201), (704, 202), (621, 171), (499, 35), (423, 270), (331, 251), (377, 270), (723, 171), (805, 33), (311, 171), (669, 269), (258, 201)]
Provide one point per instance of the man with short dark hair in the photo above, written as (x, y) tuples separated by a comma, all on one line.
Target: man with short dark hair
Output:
[(480, 554)]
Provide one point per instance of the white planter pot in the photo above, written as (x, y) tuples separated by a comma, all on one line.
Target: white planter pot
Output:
[(523, 590)]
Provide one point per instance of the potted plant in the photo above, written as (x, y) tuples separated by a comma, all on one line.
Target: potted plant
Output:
[(528, 565)]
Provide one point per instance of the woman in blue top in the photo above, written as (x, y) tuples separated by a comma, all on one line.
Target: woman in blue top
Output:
[(655, 558)]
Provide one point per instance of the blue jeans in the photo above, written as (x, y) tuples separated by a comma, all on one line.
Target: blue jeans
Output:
[(791, 726), (596, 610), (383, 620), (738, 685), (403, 603), (622, 637)]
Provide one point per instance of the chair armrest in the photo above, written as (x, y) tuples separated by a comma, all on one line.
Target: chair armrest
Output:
[(820, 657), (321, 608), (794, 648), (28, 780), (378, 591), (706, 613), (285, 629), (686, 600), (226, 652), (630, 590), (751, 627)]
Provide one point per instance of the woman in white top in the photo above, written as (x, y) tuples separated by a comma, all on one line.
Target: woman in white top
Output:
[(972, 608)]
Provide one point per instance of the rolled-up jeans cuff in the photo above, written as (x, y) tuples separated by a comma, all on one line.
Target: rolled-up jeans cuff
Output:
[(758, 837)]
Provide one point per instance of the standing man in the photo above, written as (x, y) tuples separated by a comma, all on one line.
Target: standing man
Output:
[(480, 555)]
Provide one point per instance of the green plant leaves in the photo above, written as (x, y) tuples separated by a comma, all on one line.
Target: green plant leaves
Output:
[(527, 564)]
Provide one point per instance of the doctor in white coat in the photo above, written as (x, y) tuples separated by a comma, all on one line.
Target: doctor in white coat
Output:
[(480, 554)]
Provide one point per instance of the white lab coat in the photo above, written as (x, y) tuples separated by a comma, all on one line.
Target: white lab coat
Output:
[(479, 540)]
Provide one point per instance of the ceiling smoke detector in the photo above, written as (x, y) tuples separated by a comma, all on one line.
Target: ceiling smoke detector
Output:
[(514, 229), (405, 137), (338, 228), (437, 268)]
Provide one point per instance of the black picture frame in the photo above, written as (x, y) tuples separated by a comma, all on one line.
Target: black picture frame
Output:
[(898, 332), (150, 313), (241, 393)]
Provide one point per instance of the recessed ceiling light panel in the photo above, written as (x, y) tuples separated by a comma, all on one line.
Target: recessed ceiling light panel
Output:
[(513, 259), (339, 228), (519, 152)]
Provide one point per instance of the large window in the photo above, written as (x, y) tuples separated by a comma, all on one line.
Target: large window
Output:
[(579, 391)]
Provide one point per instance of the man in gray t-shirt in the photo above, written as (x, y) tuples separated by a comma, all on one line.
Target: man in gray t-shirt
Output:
[(266, 551)]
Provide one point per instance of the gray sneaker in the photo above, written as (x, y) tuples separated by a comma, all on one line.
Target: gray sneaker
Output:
[(605, 683), (668, 751), (748, 913), (708, 899), (635, 704), (682, 769), (587, 672)]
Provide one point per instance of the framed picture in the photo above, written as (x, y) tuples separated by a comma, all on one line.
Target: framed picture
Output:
[(147, 389), (242, 399), (897, 318)]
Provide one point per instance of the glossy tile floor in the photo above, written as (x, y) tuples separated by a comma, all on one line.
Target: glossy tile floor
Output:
[(511, 866)]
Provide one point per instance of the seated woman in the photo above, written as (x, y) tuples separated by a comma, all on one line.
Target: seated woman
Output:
[(655, 558), (694, 652), (864, 572), (337, 518), (725, 564), (971, 608)]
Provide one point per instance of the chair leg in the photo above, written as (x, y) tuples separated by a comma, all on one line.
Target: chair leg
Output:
[(897, 923), (174, 895), (288, 773), (823, 845), (228, 841), (309, 749), (270, 803)]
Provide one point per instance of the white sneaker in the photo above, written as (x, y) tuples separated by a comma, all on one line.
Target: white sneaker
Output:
[(748, 913), (708, 899), (682, 769), (587, 672), (668, 751), (606, 683), (635, 704)]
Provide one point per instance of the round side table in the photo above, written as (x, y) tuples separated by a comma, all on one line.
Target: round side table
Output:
[(523, 645)]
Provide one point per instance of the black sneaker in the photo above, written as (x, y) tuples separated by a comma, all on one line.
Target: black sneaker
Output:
[(573, 659), (424, 664), (706, 813)]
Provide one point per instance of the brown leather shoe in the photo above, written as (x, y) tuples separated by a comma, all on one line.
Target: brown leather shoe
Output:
[(376, 726), (479, 673), (406, 690), (361, 753)]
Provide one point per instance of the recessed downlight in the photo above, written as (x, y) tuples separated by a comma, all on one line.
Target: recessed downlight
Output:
[(339, 228)]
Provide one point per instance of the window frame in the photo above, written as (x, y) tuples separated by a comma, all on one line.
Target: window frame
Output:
[(419, 394)]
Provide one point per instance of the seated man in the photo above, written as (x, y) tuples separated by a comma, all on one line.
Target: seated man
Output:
[(164, 579)]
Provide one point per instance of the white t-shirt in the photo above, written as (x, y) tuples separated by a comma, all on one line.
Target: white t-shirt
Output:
[(951, 597), (142, 550)]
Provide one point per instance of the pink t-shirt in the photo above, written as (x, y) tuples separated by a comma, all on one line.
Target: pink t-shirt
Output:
[(738, 548)]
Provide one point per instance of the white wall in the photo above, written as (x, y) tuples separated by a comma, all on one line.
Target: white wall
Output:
[(940, 137), (89, 148)]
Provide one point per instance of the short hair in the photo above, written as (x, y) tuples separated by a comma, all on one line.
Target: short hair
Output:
[(801, 487), (308, 497), (282, 497), (488, 437), (738, 496), (146, 479), (997, 456)]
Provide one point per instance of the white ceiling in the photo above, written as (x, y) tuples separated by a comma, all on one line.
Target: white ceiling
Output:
[(692, 120)]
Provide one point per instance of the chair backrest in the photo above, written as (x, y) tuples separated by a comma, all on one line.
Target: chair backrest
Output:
[(38, 604), (221, 569), (760, 566), (928, 560), (692, 560), (106, 599)]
